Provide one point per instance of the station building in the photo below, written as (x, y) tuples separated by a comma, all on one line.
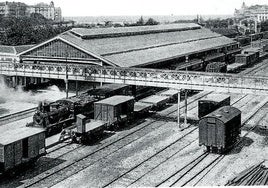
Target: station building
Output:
[(162, 46), (171, 46)]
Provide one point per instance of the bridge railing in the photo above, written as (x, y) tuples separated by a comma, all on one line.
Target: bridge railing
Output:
[(141, 76)]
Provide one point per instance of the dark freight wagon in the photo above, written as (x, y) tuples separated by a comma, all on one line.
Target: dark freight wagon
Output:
[(20, 147), (212, 102), (248, 56), (220, 130), (109, 90), (114, 110), (217, 67), (265, 48)]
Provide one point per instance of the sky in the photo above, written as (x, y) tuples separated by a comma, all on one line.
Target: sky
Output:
[(146, 7)]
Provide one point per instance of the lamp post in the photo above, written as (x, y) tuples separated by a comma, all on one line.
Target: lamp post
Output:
[(66, 76), (185, 97)]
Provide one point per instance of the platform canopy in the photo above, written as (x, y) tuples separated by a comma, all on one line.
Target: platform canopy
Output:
[(10, 53), (127, 46)]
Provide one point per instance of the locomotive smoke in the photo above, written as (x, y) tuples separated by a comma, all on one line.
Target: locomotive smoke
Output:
[(7, 94)]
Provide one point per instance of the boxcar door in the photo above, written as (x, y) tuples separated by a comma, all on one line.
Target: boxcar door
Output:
[(25, 153), (212, 132)]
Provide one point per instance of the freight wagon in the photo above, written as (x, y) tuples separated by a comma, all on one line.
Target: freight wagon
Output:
[(255, 51), (158, 102), (216, 67), (220, 130), (88, 130), (265, 48), (109, 90), (248, 56), (115, 110), (212, 102), (20, 147), (171, 93), (141, 109), (243, 40)]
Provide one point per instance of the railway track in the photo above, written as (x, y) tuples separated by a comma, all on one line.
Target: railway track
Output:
[(126, 183), (91, 164), (182, 181), (255, 69), (16, 116), (148, 126), (81, 166)]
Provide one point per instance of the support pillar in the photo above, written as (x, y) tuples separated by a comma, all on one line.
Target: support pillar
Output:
[(14, 81), (134, 90), (66, 80), (66, 88), (76, 88), (24, 81), (185, 112), (178, 111)]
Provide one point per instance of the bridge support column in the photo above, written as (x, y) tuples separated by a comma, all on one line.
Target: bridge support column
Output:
[(14, 84), (76, 88), (178, 111), (66, 88), (134, 90), (185, 112)]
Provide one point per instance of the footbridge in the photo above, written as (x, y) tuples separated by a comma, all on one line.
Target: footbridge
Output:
[(144, 77)]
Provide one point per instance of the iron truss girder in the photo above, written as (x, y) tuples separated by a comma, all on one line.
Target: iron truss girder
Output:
[(140, 76)]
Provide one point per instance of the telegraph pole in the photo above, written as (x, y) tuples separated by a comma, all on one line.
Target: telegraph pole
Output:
[(66, 77)]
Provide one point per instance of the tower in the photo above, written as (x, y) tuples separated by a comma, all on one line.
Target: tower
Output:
[(244, 5)]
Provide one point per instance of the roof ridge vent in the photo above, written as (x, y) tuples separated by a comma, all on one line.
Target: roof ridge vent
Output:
[(226, 111), (218, 115)]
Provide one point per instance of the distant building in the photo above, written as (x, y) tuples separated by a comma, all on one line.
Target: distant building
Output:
[(260, 12), (17, 9), (49, 11)]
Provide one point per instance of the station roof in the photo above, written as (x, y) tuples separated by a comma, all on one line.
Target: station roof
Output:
[(143, 45), (14, 50), (127, 31)]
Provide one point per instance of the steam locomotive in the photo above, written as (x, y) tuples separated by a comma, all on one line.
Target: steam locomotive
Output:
[(60, 114)]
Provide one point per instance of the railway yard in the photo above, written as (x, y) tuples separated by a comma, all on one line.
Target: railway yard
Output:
[(151, 151)]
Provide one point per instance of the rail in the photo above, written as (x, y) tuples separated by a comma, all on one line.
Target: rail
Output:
[(15, 116), (140, 76)]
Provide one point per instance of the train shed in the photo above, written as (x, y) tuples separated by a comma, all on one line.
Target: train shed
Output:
[(160, 46)]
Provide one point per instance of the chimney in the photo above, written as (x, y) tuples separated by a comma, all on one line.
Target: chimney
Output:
[(81, 123)]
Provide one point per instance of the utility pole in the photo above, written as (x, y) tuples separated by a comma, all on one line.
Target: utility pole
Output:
[(178, 111), (66, 77)]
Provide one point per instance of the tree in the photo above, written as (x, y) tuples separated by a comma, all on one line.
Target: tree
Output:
[(27, 30), (140, 21), (264, 26), (151, 21)]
